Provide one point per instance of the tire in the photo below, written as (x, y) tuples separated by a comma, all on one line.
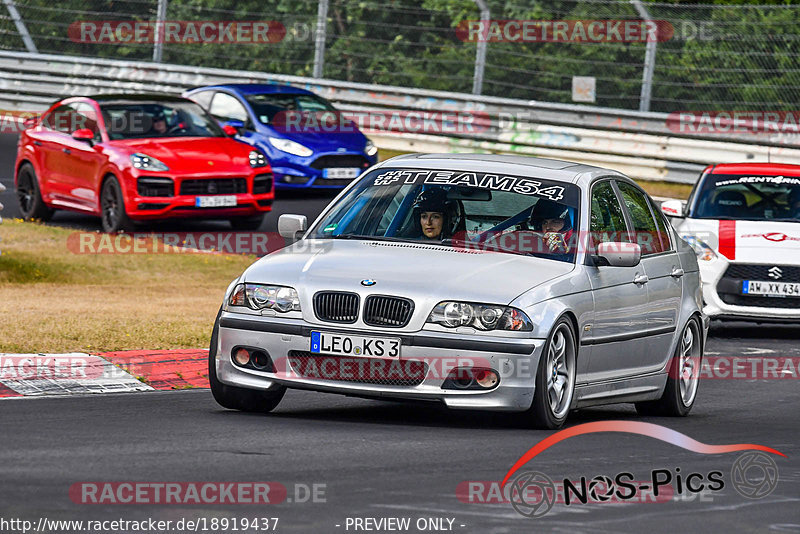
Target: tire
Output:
[(235, 398), (113, 216), (29, 197), (247, 223), (557, 365), (683, 377)]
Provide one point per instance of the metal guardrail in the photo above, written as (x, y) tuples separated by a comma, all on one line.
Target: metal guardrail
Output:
[(637, 143)]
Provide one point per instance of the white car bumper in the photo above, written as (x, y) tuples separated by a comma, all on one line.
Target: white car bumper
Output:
[(723, 298)]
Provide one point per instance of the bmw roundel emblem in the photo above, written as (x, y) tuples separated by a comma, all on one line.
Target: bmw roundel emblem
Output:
[(369, 282)]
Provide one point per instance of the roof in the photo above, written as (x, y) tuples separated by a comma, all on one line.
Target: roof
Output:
[(764, 169), (139, 97), (258, 88), (552, 169)]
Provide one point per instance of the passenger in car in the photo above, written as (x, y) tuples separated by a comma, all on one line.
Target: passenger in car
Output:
[(553, 221)]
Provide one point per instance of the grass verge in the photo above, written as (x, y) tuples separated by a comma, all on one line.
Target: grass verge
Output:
[(53, 300)]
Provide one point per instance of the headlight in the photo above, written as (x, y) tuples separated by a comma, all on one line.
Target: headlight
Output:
[(257, 159), (703, 251), (481, 316), (263, 297), (147, 163), (291, 147), (370, 149)]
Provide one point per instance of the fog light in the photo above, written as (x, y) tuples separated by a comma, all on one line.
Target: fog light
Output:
[(486, 378), (241, 356), (462, 378)]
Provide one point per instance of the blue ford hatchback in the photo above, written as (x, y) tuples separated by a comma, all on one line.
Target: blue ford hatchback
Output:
[(274, 119)]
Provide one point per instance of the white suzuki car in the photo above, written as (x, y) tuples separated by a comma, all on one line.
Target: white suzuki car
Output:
[(743, 220)]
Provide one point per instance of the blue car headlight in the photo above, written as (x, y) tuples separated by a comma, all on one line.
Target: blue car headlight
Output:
[(290, 147), (370, 149)]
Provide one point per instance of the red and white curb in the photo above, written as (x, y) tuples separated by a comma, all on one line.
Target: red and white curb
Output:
[(79, 373)]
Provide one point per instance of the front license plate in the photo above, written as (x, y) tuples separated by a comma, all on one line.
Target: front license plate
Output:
[(771, 289), (347, 345), (217, 201), (341, 172)]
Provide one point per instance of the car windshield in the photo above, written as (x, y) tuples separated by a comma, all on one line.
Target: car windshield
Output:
[(471, 210), (144, 119), (266, 106), (748, 197)]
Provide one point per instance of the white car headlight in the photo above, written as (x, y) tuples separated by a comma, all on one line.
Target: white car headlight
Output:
[(290, 147), (264, 297), (147, 163), (257, 159), (453, 314), (370, 149), (701, 248)]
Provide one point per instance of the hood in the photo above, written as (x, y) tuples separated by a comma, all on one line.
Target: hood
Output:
[(749, 241), (219, 154), (427, 274), (325, 141)]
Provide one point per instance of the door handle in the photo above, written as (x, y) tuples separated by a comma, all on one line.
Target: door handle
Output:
[(66, 151), (676, 272), (37, 143), (640, 279)]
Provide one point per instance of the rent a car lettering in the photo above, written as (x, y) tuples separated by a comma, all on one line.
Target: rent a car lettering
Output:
[(523, 186)]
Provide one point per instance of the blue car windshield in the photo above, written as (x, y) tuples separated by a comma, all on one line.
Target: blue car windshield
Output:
[(475, 210), (266, 106)]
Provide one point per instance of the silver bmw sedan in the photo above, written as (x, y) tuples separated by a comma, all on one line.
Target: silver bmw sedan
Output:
[(479, 281)]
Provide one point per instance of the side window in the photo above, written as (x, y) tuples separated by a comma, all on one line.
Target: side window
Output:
[(60, 119), (664, 231), (224, 107), (203, 98), (644, 225), (607, 221), (87, 118)]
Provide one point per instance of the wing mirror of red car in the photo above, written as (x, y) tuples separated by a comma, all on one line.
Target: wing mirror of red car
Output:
[(84, 134), (229, 130), (29, 122)]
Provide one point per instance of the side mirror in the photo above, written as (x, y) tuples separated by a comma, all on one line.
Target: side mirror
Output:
[(232, 127), (289, 225), (29, 122), (84, 134), (618, 254), (673, 208)]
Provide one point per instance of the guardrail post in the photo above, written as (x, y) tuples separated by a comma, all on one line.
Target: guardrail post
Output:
[(158, 45), (2, 188), (319, 41), (480, 55), (21, 27), (649, 59)]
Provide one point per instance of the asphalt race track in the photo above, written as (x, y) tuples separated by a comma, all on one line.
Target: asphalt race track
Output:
[(372, 459)]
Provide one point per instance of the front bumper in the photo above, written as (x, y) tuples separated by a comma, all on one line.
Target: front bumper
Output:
[(711, 275), (514, 359), (296, 172)]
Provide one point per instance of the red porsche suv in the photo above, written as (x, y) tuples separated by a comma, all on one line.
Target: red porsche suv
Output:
[(133, 158)]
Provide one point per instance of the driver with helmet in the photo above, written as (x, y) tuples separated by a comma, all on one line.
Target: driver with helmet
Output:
[(435, 214)]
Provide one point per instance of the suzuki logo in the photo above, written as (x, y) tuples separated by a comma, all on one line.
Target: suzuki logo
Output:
[(212, 187), (775, 272)]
